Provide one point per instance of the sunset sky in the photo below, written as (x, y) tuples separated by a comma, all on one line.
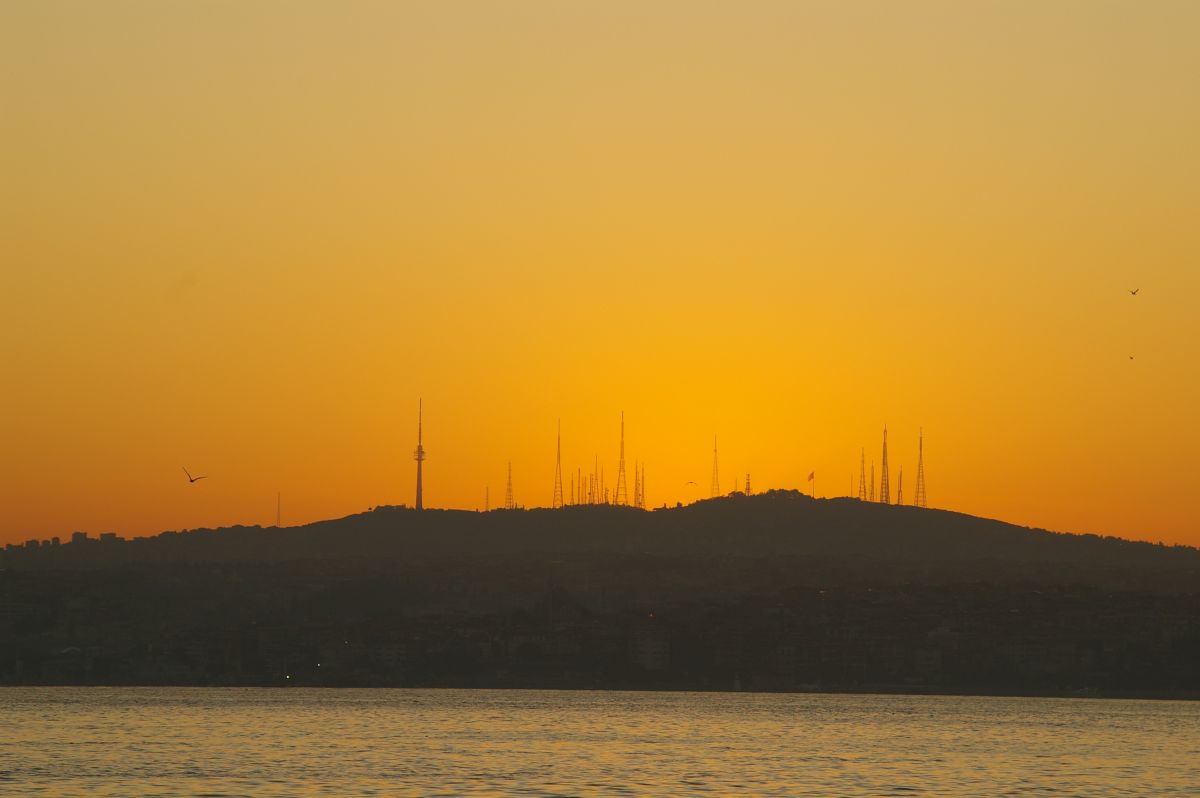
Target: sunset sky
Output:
[(246, 238)]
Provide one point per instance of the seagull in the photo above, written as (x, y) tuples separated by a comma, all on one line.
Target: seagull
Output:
[(192, 478), (690, 482), (1134, 292)]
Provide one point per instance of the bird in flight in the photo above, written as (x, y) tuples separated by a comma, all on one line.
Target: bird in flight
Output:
[(191, 478), (1134, 292), (690, 482)]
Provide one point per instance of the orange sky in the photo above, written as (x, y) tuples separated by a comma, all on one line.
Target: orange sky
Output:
[(246, 237)]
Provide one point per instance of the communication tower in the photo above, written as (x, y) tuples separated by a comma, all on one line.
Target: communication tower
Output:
[(715, 489), (862, 476), (621, 493), (509, 504), (419, 456), (557, 501), (920, 500), (885, 494)]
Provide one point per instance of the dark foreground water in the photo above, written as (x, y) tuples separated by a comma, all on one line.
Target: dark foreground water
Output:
[(133, 742)]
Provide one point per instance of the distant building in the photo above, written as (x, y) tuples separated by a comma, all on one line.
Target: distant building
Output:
[(109, 537), (79, 537)]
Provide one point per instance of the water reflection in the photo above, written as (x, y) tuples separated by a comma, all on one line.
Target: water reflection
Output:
[(135, 742)]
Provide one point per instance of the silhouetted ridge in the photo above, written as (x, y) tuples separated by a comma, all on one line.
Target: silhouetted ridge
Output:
[(865, 540), (771, 592)]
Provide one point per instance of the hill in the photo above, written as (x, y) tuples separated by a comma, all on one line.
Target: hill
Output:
[(769, 592), (824, 540)]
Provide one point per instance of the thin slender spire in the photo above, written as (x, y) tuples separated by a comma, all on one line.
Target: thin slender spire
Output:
[(509, 503), (621, 493), (862, 476), (715, 488), (920, 500), (885, 494), (557, 501), (419, 456)]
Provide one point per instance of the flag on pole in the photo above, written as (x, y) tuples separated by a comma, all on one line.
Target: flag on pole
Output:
[(812, 475)]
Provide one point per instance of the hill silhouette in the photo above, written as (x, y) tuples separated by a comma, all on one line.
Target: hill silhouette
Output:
[(770, 592), (826, 540)]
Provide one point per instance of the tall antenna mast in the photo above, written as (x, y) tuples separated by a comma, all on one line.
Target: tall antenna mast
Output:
[(900, 487), (419, 456), (885, 494), (557, 501), (621, 494), (862, 476), (871, 485), (920, 500), (278, 504), (715, 489), (509, 504)]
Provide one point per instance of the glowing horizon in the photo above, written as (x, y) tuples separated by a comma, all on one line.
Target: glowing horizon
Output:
[(244, 239)]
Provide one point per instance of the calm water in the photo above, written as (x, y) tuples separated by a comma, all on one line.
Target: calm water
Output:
[(136, 742)]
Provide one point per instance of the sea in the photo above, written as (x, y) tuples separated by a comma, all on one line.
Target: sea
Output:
[(135, 742)]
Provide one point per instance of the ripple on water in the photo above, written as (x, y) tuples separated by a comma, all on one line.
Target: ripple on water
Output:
[(137, 743)]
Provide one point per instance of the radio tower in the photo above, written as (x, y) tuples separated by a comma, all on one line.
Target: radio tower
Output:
[(747, 484), (871, 487), (557, 501), (621, 494), (419, 456), (715, 489), (885, 494), (862, 477), (920, 500), (900, 487), (509, 504)]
